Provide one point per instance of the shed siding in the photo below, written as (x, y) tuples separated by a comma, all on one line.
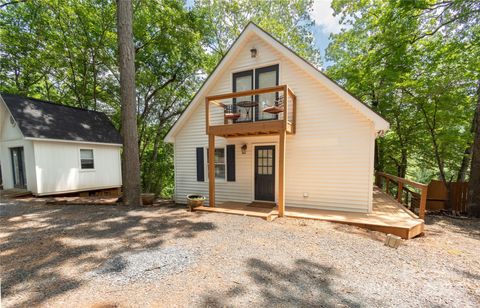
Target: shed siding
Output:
[(58, 167), (330, 157), (11, 137)]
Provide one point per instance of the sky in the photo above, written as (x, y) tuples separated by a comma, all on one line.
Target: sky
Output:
[(325, 24)]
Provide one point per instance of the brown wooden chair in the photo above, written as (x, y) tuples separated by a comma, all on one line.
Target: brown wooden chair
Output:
[(276, 108)]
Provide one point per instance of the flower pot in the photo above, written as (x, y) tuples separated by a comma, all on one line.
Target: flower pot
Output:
[(148, 198), (194, 200)]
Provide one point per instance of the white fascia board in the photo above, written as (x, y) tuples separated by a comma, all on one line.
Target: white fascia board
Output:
[(73, 141)]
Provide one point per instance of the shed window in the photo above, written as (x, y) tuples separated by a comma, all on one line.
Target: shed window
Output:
[(219, 163), (86, 159)]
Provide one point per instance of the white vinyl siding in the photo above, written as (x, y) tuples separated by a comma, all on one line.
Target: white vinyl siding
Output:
[(58, 167), (330, 157)]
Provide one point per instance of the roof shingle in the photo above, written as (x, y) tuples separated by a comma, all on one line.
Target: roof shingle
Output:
[(46, 120)]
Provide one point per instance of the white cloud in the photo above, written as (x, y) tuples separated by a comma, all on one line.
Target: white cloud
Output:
[(322, 14)]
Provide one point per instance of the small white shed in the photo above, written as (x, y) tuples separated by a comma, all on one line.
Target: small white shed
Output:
[(48, 148)]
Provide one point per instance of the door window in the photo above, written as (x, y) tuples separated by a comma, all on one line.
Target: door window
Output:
[(265, 162)]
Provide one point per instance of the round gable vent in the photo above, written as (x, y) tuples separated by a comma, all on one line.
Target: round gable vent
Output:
[(12, 121)]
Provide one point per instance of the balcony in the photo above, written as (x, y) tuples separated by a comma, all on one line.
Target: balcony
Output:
[(266, 111)]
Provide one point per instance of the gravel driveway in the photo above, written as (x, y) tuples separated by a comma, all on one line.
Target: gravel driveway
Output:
[(107, 256)]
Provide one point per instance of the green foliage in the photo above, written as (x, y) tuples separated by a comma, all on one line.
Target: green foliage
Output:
[(66, 51), (287, 20), (417, 64)]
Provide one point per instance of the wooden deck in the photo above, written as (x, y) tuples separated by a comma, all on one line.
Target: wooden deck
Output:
[(388, 215), (14, 192)]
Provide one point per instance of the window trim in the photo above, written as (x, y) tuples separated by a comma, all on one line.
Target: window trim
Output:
[(221, 180), (80, 159)]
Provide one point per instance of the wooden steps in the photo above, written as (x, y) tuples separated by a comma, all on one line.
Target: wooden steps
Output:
[(237, 208)]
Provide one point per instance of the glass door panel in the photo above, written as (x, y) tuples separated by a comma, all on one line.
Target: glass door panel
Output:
[(266, 77), (243, 81)]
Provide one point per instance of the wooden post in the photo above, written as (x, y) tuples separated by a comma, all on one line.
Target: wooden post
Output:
[(207, 115), (423, 203), (211, 170), (400, 192), (281, 173), (378, 180), (285, 107), (294, 114)]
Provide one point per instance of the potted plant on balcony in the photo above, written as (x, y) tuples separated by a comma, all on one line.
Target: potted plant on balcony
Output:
[(194, 201)]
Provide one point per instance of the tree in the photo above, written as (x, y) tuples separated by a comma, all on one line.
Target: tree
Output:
[(473, 207), (126, 61), (67, 52), (416, 63), (287, 20)]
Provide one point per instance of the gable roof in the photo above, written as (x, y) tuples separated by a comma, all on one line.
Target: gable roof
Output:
[(381, 124), (38, 119)]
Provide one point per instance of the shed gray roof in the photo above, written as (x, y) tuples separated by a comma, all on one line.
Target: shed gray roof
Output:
[(47, 120)]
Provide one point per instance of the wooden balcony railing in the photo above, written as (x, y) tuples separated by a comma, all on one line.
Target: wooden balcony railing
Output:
[(401, 189), (285, 106)]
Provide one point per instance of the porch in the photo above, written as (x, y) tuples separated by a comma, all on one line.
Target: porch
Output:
[(269, 111), (388, 215)]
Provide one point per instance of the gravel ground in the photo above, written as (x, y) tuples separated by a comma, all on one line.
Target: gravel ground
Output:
[(107, 256), (145, 266)]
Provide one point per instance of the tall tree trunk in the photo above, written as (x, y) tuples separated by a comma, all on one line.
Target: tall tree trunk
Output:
[(473, 207), (402, 170), (126, 63), (153, 162), (462, 172)]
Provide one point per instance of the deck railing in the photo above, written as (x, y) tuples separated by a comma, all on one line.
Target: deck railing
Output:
[(284, 105), (411, 196)]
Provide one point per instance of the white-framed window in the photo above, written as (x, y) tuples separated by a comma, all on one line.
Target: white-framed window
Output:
[(220, 164), (87, 159)]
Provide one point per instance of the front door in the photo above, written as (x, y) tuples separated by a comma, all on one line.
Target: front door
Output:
[(18, 167), (265, 173)]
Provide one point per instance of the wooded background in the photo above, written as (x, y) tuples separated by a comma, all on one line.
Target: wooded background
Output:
[(417, 63)]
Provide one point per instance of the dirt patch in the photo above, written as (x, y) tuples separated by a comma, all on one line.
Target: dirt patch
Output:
[(107, 256)]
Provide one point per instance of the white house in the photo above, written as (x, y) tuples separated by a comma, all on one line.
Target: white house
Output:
[(48, 148), (312, 150)]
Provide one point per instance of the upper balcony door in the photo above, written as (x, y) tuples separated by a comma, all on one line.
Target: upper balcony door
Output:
[(266, 77), (255, 79), (243, 81)]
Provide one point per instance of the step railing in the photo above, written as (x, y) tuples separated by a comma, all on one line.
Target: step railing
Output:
[(401, 184)]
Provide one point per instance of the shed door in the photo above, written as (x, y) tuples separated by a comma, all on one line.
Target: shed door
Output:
[(265, 173), (18, 167)]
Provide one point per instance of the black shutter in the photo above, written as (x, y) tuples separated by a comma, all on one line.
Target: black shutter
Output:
[(231, 162), (200, 165)]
